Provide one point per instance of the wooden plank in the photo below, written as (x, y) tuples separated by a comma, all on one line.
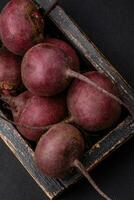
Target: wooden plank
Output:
[(111, 142), (25, 155)]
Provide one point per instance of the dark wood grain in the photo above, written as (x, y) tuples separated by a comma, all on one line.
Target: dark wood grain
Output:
[(104, 147)]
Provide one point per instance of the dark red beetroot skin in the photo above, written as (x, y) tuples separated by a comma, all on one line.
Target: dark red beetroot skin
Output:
[(10, 71), (44, 69), (89, 107), (21, 26), (36, 111), (57, 150), (66, 48)]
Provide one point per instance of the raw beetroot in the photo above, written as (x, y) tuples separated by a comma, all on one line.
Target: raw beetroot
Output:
[(58, 152), (65, 144), (31, 112), (44, 70), (10, 71), (89, 107), (66, 48), (21, 25)]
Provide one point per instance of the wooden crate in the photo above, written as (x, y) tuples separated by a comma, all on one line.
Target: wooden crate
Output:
[(112, 140)]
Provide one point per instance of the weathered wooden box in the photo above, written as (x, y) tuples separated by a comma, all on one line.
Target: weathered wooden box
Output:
[(59, 24)]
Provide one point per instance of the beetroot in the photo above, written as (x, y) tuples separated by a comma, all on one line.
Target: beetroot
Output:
[(44, 70), (65, 144), (10, 71), (21, 26), (31, 112), (66, 48), (58, 152), (89, 107)]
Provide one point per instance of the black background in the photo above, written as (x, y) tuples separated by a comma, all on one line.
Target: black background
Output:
[(110, 24)]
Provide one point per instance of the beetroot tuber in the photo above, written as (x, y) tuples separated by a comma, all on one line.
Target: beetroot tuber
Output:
[(30, 112), (89, 107), (66, 48), (65, 144), (44, 70), (21, 26), (58, 152), (10, 71)]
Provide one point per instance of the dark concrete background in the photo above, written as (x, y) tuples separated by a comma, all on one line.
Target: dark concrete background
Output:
[(110, 24)]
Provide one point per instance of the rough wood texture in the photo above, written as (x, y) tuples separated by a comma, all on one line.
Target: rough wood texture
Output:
[(103, 148)]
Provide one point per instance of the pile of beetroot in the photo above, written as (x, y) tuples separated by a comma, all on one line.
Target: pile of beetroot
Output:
[(58, 98)]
